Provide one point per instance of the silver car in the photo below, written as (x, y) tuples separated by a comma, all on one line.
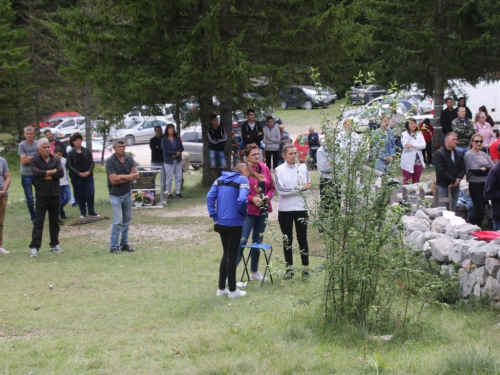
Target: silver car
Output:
[(140, 132), (193, 144), (66, 128)]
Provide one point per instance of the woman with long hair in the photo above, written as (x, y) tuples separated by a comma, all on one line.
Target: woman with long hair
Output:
[(484, 128), (477, 165), (227, 203), (489, 120), (259, 205), (412, 160), (81, 167), (172, 148), (385, 145)]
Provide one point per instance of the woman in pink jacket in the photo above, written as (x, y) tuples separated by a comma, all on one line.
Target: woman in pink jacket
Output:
[(259, 205)]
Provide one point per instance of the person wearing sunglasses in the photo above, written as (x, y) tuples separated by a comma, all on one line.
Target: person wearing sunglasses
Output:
[(477, 165)]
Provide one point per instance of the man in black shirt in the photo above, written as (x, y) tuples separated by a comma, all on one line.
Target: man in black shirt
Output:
[(156, 151), (47, 170), (251, 131), (447, 116), (217, 137), (121, 171)]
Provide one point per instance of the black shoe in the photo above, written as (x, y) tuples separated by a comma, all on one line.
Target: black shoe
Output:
[(128, 248), (179, 196), (60, 222), (288, 274), (63, 217), (74, 204), (115, 251), (170, 196)]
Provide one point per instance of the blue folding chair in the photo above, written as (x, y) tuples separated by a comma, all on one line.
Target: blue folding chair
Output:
[(268, 252)]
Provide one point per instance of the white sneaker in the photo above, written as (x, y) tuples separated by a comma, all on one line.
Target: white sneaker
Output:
[(3, 251), (240, 284), (237, 293), (57, 249), (256, 276), (82, 216), (222, 293), (33, 252)]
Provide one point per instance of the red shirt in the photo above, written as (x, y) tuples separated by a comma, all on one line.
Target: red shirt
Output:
[(494, 154), (427, 131)]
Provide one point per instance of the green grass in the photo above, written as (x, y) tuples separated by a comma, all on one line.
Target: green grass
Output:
[(155, 311)]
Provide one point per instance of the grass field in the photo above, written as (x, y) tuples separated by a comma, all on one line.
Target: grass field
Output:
[(155, 311)]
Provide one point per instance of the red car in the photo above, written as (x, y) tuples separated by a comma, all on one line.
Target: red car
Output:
[(57, 118), (302, 147)]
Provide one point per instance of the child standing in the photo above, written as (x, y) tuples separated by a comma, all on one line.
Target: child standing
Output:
[(66, 196), (428, 132)]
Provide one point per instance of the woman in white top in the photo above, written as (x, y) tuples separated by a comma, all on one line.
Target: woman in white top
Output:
[(292, 183), (412, 161)]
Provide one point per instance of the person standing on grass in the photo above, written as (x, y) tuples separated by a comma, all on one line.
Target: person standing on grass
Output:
[(259, 205), (412, 160), (121, 171), (47, 170), (313, 142), (450, 170), (156, 151), (285, 139), (447, 116), (251, 131), (482, 127), (292, 182), (494, 152), (27, 150), (217, 138), (4, 195), (47, 133), (235, 150), (172, 148), (385, 145), (464, 129), (63, 186), (80, 164), (271, 142), (492, 193), (477, 165), (227, 203)]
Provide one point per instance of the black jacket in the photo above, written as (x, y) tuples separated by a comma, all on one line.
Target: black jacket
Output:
[(446, 118), (448, 171), (250, 136), (156, 151), (71, 162), (39, 167)]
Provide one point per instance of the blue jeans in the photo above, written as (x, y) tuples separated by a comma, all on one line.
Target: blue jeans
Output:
[(496, 224), (27, 182), (257, 225), (84, 191), (381, 165), (217, 157), (122, 216), (65, 198)]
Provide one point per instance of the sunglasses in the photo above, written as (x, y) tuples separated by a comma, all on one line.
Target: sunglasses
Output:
[(478, 141)]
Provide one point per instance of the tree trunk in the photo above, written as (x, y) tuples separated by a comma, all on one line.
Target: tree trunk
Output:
[(206, 109), (86, 109), (439, 82)]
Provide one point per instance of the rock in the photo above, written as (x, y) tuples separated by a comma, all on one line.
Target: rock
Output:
[(466, 265), (434, 212), (185, 161), (466, 283), (412, 224), (461, 231), (439, 224), (492, 288), (421, 215), (415, 240), (477, 290), (381, 338), (481, 251), (492, 265), (459, 250), (440, 249), (480, 275)]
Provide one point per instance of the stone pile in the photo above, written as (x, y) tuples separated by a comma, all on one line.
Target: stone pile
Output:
[(448, 241)]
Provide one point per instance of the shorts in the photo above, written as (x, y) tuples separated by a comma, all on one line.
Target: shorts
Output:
[(217, 157)]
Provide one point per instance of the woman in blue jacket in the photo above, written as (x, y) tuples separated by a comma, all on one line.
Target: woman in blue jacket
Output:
[(227, 203), (172, 148)]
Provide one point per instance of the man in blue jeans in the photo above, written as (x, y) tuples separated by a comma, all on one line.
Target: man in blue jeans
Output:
[(121, 171), (26, 150), (217, 138)]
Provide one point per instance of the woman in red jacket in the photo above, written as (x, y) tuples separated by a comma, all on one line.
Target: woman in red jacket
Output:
[(259, 204), (428, 132)]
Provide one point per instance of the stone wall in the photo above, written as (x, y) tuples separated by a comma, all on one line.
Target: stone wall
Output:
[(450, 243)]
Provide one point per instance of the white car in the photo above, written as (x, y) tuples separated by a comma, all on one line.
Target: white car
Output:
[(66, 128), (372, 114), (141, 114), (140, 132)]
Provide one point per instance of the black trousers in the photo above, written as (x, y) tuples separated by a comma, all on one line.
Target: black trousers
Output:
[(286, 220), (274, 156), (230, 238), (44, 205), (476, 191), (427, 153)]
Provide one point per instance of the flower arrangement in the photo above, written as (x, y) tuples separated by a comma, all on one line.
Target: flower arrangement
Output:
[(138, 197), (149, 197)]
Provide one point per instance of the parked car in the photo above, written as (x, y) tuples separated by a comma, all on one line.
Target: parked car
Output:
[(97, 146), (67, 127), (329, 93), (57, 118), (144, 113), (301, 97), (302, 146), (365, 94), (138, 132), (193, 144), (372, 115)]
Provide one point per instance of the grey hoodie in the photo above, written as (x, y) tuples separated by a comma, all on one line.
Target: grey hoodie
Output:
[(272, 138)]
